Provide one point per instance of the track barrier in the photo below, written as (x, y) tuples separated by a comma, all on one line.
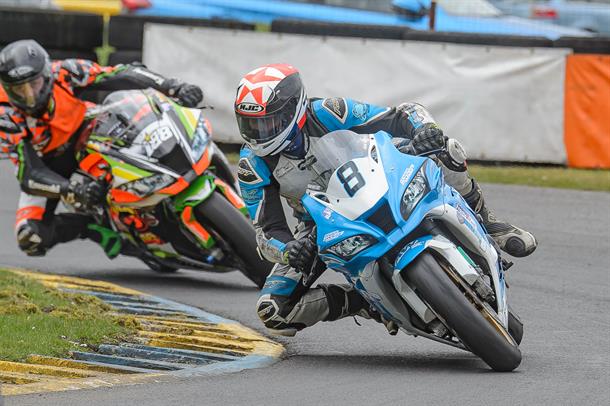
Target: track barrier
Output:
[(510, 110)]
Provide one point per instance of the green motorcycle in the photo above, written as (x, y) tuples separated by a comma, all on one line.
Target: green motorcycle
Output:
[(171, 193)]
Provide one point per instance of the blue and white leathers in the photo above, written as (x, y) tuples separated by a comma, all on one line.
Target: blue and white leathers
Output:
[(352, 209)]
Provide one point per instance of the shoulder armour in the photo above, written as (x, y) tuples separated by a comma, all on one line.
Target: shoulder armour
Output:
[(252, 171)]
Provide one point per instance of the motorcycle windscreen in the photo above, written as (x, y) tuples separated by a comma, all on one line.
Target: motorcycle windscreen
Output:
[(123, 116), (145, 123), (335, 149)]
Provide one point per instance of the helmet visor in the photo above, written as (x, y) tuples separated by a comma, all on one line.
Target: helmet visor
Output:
[(258, 130), (30, 93)]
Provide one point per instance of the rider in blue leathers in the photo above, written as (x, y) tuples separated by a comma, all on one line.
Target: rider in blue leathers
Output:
[(279, 124)]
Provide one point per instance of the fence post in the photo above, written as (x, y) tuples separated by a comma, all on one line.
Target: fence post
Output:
[(432, 16)]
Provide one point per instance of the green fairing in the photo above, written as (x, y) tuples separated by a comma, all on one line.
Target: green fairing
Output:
[(113, 162), (243, 210), (187, 196), (187, 125)]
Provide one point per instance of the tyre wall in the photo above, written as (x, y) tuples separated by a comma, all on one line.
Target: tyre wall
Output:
[(63, 34)]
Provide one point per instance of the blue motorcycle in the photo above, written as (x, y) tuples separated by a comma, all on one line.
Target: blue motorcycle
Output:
[(411, 245)]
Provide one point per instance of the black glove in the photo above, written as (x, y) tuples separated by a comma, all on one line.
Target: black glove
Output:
[(301, 253), (87, 194), (188, 95), (428, 138)]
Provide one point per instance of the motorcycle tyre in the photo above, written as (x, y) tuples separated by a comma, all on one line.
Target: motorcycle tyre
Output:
[(238, 231), (478, 334)]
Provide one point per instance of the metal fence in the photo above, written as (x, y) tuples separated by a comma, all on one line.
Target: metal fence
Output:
[(517, 17)]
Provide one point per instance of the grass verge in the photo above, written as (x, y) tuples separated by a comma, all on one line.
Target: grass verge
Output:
[(564, 178), (35, 319)]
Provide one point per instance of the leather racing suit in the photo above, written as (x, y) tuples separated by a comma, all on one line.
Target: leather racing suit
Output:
[(285, 304), (42, 150)]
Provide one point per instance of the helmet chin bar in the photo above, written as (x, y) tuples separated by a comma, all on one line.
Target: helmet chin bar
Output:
[(298, 146)]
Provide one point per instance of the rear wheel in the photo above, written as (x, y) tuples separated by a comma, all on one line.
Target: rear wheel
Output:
[(237, 231), (476, 326)]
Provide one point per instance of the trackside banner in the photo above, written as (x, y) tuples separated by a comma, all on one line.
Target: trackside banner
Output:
[(503, 103)]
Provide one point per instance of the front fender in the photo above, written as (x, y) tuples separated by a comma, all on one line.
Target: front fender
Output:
[(199, 190), (202, 188), (442, 246), (458, 259)]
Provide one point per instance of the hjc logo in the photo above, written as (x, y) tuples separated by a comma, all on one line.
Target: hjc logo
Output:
[(250, 107)]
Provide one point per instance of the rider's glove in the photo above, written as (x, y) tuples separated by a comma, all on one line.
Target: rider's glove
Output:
[(428, 137), (300, 253), (188, 95), (88, 194), (8, 126)]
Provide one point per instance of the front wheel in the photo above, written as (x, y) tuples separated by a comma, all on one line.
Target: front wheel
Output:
[(476, 327), (237, 231)]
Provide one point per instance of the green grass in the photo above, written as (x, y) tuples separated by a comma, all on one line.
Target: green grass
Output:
[(35, 319), (232, 157), (564, 178)]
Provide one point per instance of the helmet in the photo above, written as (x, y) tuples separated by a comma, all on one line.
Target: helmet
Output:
[(25, 74), (270, 106)]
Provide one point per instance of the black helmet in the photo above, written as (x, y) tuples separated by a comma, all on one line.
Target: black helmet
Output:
[(25, 74)]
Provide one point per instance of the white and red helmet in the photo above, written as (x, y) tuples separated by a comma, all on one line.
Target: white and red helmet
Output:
[(270, 107)]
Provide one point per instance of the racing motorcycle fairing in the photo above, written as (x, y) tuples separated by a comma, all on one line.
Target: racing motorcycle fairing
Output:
[(153, 147), (150, 149), (382, 203)]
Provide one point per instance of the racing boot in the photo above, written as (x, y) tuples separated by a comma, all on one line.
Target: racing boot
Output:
[(511, 239), (111, 242), (344, 301)]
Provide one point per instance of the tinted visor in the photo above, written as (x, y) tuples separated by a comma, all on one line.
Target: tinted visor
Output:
[(30, 93), (261, 129)]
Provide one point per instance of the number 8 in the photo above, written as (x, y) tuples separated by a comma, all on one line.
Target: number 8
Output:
[(346, 173)]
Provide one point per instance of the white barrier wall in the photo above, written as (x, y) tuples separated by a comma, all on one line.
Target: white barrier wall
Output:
[(502, 103)]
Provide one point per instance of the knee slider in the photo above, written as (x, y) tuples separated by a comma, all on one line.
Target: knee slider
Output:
[(268, 310), (272, 310), (30, 239)]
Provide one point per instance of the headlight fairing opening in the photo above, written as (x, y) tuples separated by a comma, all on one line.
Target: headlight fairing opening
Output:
[(417, 189), (351, 246), (146, 186), (200, 140)]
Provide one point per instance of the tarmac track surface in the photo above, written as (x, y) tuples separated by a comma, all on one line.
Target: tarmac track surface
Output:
[(561, 292)]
